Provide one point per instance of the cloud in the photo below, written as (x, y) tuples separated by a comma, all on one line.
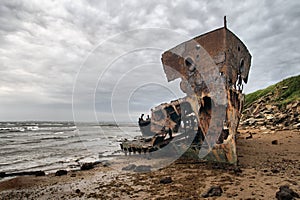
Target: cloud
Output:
[(43, 44)]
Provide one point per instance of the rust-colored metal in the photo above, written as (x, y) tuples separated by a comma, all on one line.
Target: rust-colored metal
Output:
[(212, 68)]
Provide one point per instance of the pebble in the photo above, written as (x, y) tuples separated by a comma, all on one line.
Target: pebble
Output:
[(275, 142), (87, 166), (129, 167), (285, 193), (61, 172), (142, 168), (213, 191), (166, 180)]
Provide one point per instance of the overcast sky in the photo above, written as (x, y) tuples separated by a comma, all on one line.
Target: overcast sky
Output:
[(108, 52)]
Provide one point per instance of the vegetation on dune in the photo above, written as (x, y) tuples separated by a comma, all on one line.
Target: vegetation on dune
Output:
[(283, 92)]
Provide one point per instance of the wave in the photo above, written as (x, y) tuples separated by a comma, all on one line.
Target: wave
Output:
[(58, 133), (57, 137), (55, 146), (14, 162), (31, 142)]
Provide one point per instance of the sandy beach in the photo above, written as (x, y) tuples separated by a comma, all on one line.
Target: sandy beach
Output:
[(264, 166)]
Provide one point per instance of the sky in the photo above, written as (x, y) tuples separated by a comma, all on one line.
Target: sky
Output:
[(100, 60)]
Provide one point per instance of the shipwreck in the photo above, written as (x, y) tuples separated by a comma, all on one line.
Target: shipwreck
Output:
[(212, 68)]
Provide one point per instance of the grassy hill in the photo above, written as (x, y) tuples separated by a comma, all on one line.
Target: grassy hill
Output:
[(283, 92)]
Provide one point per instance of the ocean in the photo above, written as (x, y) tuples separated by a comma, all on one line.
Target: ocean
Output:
[(50, 146)]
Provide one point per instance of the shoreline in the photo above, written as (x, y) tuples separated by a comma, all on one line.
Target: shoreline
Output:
[(263, 168)]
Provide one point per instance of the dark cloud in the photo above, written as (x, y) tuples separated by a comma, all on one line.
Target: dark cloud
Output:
[(44, 44)]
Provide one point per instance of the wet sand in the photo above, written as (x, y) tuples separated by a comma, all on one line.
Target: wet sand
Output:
[(263, 168)]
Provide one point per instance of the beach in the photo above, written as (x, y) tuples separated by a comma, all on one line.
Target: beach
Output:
[(264, 165)]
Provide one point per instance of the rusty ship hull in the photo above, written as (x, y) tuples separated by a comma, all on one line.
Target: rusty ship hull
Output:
[(212, 68)]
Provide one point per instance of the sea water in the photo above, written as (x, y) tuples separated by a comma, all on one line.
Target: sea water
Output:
[(49, 146)]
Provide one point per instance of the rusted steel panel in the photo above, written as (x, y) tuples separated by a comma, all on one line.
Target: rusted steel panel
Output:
[(212, 68)]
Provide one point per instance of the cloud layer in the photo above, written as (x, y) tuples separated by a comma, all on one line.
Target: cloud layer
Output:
[(44, 44)]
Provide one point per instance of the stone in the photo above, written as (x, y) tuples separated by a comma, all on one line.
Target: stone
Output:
[(249, 137), (269, 117), (213, 191), (263, 128), (268, 112), (40, 173), (275, 171), (2, 174), (259, 116), (105, 164), (261, 123), (297, 126), (256, 110), (294, 105), (269, 107), (61, 172), (143, 168), (129, 167), (289, 106), (285, 193), (237, 170), (166, 180), (275, 142), (87, 166)]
